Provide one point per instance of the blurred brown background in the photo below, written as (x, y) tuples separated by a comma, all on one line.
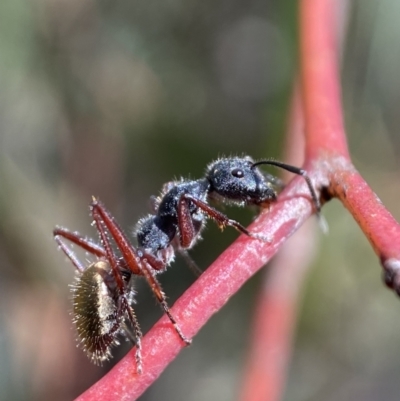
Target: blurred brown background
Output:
[(114, 98)]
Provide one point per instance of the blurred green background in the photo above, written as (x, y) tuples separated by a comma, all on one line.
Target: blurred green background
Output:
[(115, 98)]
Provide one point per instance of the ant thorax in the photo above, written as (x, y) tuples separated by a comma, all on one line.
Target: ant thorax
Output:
[(156, 233)]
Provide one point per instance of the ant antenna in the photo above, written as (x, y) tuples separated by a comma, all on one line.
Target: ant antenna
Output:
[(303, 173)]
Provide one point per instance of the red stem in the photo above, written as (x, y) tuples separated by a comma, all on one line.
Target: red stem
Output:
[(378, 225), (320, 78)]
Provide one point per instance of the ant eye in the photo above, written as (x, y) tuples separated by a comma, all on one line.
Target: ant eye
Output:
[(237, 172)]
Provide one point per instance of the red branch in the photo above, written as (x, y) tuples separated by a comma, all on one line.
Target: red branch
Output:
[(329, 165), (320, 79), (325, 135), (378, 225)]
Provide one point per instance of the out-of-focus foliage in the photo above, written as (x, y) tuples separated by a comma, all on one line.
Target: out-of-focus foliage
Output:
[(114, 98)]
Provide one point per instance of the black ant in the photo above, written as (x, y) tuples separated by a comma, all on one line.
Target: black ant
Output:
[(103, 294)]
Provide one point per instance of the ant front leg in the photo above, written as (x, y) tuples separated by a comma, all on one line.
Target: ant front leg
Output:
[(186, 223), (139, 262)]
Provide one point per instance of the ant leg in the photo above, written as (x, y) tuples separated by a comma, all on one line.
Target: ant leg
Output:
[(187, 231), (136, 337), (139, 262), (102, 216), (111, 257), (114, 262), (156, 287), (85, 243), (190, 262), (148, 265), (131, 258), (70, 255), (221, 219), (76, 239)]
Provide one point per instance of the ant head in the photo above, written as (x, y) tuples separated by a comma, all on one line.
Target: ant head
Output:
[(237, 180)]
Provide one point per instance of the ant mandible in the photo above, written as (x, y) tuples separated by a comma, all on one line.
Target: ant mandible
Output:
[(103, 293)]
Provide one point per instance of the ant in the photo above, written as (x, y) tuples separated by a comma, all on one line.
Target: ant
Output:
[(103, 294)]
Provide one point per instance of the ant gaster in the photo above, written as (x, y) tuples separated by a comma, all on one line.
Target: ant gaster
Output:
[(103, 293)]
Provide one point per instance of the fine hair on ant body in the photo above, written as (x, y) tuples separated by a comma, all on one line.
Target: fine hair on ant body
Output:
[(103, 293)]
